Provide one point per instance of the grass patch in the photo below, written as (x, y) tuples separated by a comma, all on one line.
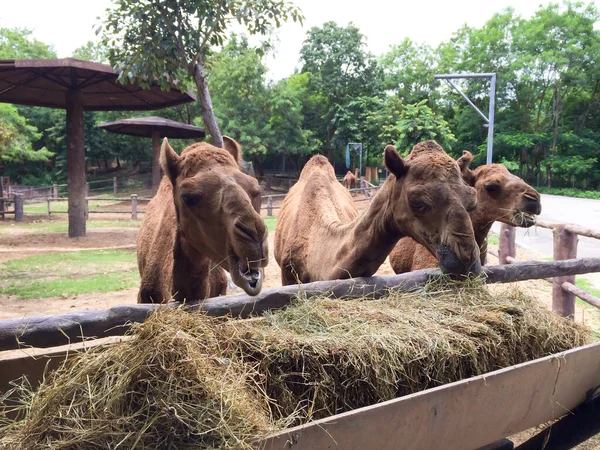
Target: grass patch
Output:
[(71, 273), (270, 221), (570, 192), (62, 226), (493, 239)]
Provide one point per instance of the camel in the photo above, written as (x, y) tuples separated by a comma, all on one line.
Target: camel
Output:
[(319, 234), (203, 219), (349, 181), (501, 196)]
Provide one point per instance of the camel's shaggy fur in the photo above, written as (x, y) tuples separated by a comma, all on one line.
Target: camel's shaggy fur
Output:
[(204, 217)]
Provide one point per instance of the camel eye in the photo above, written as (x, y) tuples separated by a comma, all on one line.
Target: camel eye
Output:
[(191, 199), (419, 206), (493, 188)]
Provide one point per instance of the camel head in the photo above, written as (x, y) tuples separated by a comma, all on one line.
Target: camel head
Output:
[(217, 208), (501, 195), (431, 204)]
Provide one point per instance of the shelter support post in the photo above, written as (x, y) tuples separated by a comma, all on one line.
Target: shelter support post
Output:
[(565, 247), (507, 248), (155, 160), (19, 213), (76, 188)]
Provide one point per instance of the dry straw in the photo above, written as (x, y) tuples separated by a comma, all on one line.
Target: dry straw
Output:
[(189, 381)]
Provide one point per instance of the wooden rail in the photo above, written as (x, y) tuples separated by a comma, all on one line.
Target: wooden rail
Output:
[(50, 331), (565, 235)]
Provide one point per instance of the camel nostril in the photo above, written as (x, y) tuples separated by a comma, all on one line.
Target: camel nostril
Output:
[(246, 232)]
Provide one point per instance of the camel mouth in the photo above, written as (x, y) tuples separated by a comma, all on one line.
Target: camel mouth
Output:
[(523, 219), (249, 277), (450, 264)]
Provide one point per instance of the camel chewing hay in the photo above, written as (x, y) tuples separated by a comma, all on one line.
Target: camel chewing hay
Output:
[(186, 380)]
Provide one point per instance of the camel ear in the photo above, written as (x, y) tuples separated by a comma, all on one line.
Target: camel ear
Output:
[(464, 162), (169, 160), (394, 162), (233, 147)]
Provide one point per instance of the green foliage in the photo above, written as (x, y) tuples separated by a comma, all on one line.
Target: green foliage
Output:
[(16, 137), (71, 273), (419, 123), (17, 43), (569, 192), (341, 71)]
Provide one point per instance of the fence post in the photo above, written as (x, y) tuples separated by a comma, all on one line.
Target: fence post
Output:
[(55, 190), (268, 182), (114, 185), (87, 208), (565, 247), (48, 200), (269, 206), (19, 213), (134, 207), (506, 247)]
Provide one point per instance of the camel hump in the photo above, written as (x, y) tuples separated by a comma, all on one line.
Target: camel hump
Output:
[(317, 163), (428, 146)]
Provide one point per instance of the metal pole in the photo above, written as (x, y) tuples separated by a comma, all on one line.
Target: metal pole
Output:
[(490, 143)]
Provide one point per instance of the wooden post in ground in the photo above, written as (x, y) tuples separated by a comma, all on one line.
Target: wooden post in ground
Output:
[(155, 161), (55, 190), (75, 164), (48, 200), (19, 213), (134, 201), (507, 247), (269, 206), (565, 247), (268, 182), (1, 198), (115, 185)]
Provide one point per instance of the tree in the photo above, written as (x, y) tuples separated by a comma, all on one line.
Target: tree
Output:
[(340, 69), (167, 40), (419, 123)]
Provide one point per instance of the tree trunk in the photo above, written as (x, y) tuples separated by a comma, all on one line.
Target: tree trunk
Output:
[(75, 164), (118, 162), (206, 107), (155, 161), (330, 132)]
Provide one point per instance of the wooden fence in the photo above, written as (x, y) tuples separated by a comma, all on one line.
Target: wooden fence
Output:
[(565, 235)]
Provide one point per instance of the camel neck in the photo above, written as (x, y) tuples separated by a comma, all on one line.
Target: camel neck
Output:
[(368, 239)]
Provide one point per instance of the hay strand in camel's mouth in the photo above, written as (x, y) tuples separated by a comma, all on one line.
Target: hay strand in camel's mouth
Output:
[(187, 380)]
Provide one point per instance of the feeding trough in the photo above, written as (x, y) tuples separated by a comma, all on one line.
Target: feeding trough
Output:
[(78, 86), (155, 128)]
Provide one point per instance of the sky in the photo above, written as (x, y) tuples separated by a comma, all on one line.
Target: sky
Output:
[(68, 24)]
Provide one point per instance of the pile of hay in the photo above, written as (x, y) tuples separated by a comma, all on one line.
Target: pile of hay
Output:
[(186, 380)]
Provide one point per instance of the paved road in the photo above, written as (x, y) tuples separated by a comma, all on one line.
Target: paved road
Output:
[(581, 211)]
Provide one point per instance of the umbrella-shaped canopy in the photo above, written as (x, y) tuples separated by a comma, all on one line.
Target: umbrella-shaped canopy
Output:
[(77, 86), (154, 127)]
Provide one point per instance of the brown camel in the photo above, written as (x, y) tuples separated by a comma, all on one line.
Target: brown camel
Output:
[(203, 219), (320, 236), (349, 181), (501, 196)]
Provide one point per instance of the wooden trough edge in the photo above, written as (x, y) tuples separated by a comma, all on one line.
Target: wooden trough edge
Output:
[(465, 414), (61, 329)]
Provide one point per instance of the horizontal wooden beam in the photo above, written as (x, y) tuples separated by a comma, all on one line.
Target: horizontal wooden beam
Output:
[(583, 295), (463, 415), (570, 227), (61, 329)]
